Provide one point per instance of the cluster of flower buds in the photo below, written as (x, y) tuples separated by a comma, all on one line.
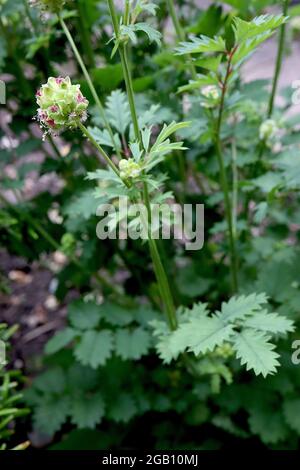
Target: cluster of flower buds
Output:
[(129, 169), (52, 6), (268, 132), (225, 351), (295, 24), (212, 96), (61, 105)]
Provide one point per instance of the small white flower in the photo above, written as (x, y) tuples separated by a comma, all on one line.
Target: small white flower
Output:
[(268, 130), (210, 91), (295, 23), (212, 95), (129, 169)]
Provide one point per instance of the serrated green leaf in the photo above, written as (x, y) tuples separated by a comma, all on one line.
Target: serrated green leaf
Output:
[(94, 348), (209, 63), (102, 137), (291, 411), (106, 175), (201, 44), (84, 205), (84, 315), (60, 340), (131, 30), (202, 81), (116, 315), (123, 409), (51, 414), (267, 423), (198, 310), (117, 109), (132, 344), (239, 307), (256, 352), (227, 424), (201, 335), (87, 410), (269, 322), (247, 47), (51, 381), (244, 30), (82, 378)]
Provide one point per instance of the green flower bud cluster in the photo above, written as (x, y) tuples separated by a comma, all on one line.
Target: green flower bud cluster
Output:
[(53, 6), (212, 95), (295, 24), (225, 351), (61, 105), (268, 131), (129, 169)]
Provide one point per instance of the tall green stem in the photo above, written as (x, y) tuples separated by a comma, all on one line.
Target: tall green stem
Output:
[(31, 21), (129, 89), (180, 35), (90, 84), (160, 273), (278, 60), (224, 181), (234, 189), (84, 34)]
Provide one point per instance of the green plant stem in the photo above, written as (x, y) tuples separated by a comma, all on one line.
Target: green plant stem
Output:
[(160, 273), (285, 4), (224, 181), (99, 148), (54, 146), (84, 34), (278, 64), (31, 21), (180, 35), (163, 283), (234, 188), (278, 59), (129, 89), (177, 26), (90, 84)]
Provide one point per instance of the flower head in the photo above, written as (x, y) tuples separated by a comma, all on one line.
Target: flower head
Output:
[(268, 131), (129, 168), (295, 23), (212, 95), (61, 105), (53, 6)]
